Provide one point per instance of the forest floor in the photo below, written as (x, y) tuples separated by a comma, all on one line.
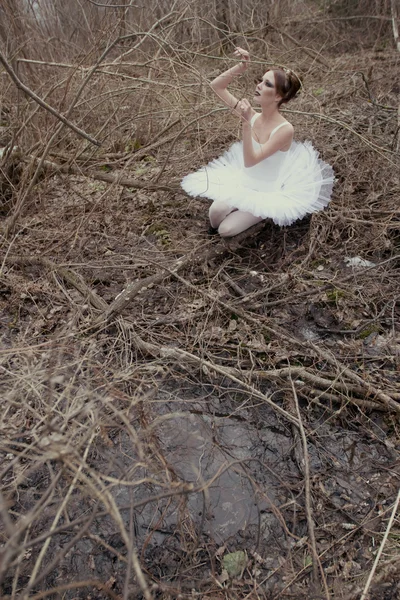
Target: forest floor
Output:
[(171, 399)]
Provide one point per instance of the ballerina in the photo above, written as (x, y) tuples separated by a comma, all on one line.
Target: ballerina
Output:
[(267, 175)]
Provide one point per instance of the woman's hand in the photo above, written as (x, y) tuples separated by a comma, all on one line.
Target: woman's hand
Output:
[(244, 56), (245, 110)]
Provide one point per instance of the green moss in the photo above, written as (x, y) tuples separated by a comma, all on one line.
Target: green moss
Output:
[(373, 328), (235, 563), (163, 236), (97, 186), (333, 296), (133, 145), (156, 227), (140, 171), (317, 263)]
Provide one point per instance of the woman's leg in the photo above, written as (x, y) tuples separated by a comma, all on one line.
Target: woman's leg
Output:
[(236, 222), (218, 211)]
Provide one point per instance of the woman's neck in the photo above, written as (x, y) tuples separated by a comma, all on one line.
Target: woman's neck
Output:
[(270, 113)]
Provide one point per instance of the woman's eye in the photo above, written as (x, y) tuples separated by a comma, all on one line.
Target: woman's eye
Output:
[(257, 80)]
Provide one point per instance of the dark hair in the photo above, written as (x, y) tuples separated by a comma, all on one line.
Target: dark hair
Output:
[(287, 84)]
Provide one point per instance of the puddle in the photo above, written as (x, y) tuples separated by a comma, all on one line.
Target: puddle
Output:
[(198, 447), (252, 453)]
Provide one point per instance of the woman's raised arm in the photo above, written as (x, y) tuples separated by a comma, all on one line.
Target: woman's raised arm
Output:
[(220, 83)]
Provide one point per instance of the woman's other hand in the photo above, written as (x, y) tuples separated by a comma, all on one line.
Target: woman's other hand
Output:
[(245, 110)]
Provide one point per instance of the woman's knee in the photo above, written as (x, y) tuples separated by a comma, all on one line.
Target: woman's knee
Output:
[(237, 222), (218, 211), (219, 208), (227, 229)]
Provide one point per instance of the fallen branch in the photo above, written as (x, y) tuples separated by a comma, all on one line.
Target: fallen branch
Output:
[(70, 276), (184, 357), (330, 397), (136, 287), (321, 382), (107, 177), (262, 323), (370, 389)]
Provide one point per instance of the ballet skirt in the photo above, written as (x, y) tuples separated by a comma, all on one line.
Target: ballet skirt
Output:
[(284, 187)]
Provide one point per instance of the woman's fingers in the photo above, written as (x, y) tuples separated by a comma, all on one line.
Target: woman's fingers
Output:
[(244, 107), (242, 53)]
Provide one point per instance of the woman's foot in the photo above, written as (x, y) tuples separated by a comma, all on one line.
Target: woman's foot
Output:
[(212, 230)]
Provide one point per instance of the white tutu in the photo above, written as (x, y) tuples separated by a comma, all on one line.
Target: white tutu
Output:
[(284, 187)]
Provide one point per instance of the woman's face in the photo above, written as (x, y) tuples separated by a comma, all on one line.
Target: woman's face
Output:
[(265, 92)]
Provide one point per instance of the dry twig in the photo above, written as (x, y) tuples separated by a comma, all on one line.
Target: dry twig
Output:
[(381, 547)]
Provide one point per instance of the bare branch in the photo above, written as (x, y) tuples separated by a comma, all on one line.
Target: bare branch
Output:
[(381, 547), (115, 5), (44, 104), (306, 469), (395, 26)]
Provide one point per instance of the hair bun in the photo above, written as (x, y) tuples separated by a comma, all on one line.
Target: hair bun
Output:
[(287, 84)]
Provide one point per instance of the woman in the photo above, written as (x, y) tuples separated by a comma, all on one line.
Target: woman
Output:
[(267, 175)]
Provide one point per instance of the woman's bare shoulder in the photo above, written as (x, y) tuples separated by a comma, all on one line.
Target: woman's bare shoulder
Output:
[(286, 122), (288, 126)]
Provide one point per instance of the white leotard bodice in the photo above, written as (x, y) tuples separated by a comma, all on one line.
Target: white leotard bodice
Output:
[(269, 168), (253, 120)]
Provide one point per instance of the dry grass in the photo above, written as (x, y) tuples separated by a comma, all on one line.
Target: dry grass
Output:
[(252, 381)]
